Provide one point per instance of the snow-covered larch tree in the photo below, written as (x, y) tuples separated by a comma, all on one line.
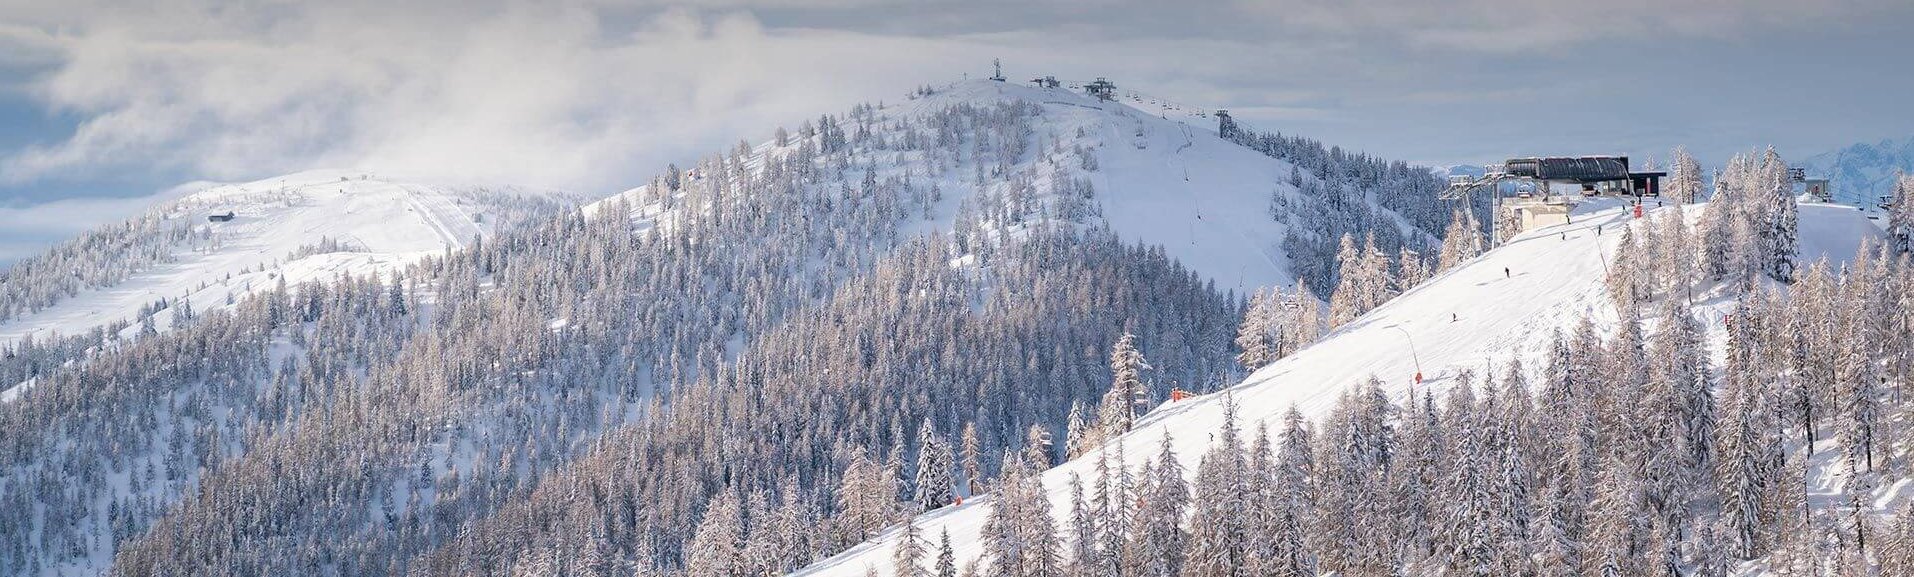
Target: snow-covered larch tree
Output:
[(1684, 177)]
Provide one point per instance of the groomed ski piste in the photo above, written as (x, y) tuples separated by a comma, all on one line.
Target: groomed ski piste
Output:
[(1470, 318), (380, 225)]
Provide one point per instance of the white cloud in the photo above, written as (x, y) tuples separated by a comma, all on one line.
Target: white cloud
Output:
[(1515, 26), (551, 95), (595, 95)]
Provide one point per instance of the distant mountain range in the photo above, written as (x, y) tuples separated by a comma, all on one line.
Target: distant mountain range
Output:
[(1862, 172)]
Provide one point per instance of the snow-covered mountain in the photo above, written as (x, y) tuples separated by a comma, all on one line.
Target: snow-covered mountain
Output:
[(752, 365), (553, 345), (1862, 173), (1467, 319), (1154, 172), (307, 226)]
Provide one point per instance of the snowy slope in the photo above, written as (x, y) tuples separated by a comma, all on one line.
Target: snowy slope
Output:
[(1162, 177), (1556, 276), (379, 225)]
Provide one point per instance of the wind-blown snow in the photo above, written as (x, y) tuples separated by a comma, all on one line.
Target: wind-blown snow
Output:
[(1555, 277)]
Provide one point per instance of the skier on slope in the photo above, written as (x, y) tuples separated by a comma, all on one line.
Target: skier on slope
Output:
[(1505, 272)]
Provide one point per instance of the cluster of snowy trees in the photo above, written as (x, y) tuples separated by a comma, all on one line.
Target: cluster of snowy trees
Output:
[(93, 452), (1370, 277), (1632, 456), (1750, 226), (98, 258), (1901, 213), (1276, 324), (1747, 231), (1686, 183), (898, 397), (1342, 193)]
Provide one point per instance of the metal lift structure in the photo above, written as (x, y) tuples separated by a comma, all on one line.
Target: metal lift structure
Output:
[(1530, 180)]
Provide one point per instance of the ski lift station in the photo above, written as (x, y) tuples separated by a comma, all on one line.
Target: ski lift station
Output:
[(1523, 190)]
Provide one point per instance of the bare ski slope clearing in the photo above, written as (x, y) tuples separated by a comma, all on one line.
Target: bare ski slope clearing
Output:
[(1472, 317)]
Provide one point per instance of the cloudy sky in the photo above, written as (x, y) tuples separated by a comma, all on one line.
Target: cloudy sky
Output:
[(105, 105)]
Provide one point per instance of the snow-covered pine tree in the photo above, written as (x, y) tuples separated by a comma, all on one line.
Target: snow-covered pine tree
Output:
[(1074, 429), (1518, 417), (1114, 502), (1157, 542), (907, 558), (1037, 447), (1084, 558), (1345, 303), (788, 538), (1220, 519), (1413, 271), (1305, 318), (1461, 241), (1814, 344), (1716, 236), (1619, 522), (1860, 535), (1684, 177), (1259, 493), (1293, 502), (1780, 218), (1673, 245), (1656, 433), (1897, 552), (1118, 409), (934, 462), (1860, 410), (1900, 217), (1380, 283), (1625, 271), (716, 549), (1682, 362), (972, 453), (866, 500), (1472, 530), (1256, 336), (1419, 470), (1747, 443), (1019, 536), (946, 556)]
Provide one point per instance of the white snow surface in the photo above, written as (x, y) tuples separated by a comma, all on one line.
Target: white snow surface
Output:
[(1555, 277), (385, 225)]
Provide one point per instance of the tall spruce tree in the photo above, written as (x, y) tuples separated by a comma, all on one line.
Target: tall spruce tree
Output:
[(1220, 520), (1119, 407), (1158, 539), (934, 463)]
